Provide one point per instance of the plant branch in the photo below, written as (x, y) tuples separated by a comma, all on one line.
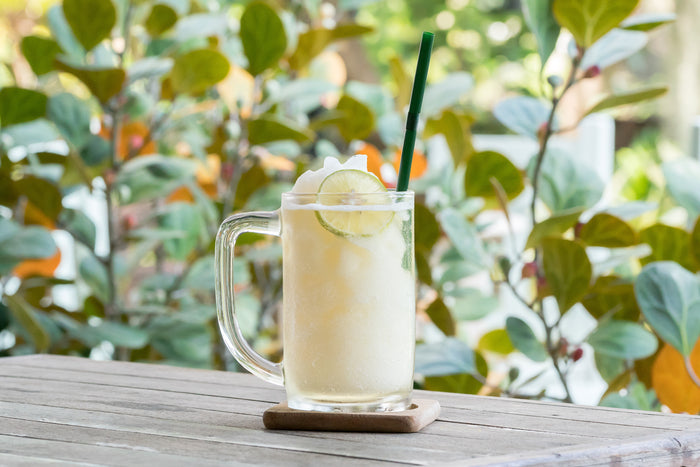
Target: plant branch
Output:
[(691, 372), (553, 353), (548, 131)]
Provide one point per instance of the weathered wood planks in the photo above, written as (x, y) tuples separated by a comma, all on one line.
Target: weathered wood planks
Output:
[(63, 409)]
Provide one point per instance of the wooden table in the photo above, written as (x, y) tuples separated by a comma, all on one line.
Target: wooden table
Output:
[(64, 410)]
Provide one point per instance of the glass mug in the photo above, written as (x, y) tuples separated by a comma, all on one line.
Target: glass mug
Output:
[(348, 312)]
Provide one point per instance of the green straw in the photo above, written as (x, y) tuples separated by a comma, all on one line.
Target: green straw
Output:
[(409, 139)]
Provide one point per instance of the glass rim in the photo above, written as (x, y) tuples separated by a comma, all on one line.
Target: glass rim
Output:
[(392, 194)]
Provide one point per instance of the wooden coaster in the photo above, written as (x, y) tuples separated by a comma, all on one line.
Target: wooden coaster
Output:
[(421, 413)]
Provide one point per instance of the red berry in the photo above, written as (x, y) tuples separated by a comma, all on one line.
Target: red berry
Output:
[(227, 170), (129, 221), (577, 229), (577, 354), (592, 72), (529, 270)]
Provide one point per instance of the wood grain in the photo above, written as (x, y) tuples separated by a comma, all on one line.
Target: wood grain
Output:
[(63, 410)]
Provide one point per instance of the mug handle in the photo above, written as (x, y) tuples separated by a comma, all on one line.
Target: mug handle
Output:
[(256, 222)]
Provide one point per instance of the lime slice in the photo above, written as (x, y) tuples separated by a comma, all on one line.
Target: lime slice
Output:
[(348, 219)]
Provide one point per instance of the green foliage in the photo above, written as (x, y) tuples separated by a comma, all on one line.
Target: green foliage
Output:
[(488, 165), (263, 37), (524, 339), (210, 108), (608, 231), (540, 19), (669, 297), (18, 105), (40, 52), (198, 70), (161, 18), (567, 270), (90, 20), (103, 82), (589, 20), (622, 339)]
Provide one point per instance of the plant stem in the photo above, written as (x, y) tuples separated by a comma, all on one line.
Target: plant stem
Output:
[(691, 372), (552, 351), (547, 135)]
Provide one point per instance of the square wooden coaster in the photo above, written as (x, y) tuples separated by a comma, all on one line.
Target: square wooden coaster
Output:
[(421, 413)]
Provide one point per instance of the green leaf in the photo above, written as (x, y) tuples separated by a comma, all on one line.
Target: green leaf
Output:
[(589, 20), (523, 115), (447, 93), (427, 229), (161, 18), (72, 117), (695, 244), (608, 231), (263, 36), (612, 294), (40, 52), (103, 83), (463, 236), (62, 33), (314, 41), (267, 129), (566, 182), (95, 151), (486, 164), (448, 357), (423, 270), (149, 67), (540, 20), (79, 225), (121, 335), (615, 46), (669, 297), (456, 130), (148, 177), (463, 383), (19, 105), (43, 194), (617, 100), (251, 181), (183, 217), (356, 120), (442, 318), (90, 20), (647, 21), (567, 270), (198, 70), (524, 339), (472, 304), (496, 341), (26, 316), (681, 181), (609, 367), (94, 273), (26, 243), (667, 244), (554, 226), (623, 339)]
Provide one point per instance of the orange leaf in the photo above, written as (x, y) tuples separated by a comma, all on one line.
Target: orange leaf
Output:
[(133, 136), (34, 216), (374, 159), (38, 267), (671, 382), (419, 164)]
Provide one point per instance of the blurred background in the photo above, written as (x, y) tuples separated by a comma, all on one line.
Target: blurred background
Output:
[(132, 128)]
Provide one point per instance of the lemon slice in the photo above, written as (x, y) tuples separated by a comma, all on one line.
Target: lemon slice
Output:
[(348, 218)]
